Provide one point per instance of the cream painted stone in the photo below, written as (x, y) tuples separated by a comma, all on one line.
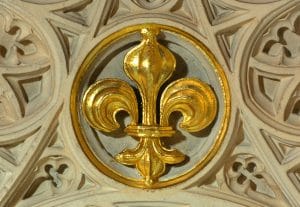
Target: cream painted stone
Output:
[(44, 42)]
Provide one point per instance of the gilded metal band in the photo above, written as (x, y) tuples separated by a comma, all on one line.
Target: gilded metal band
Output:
[(149, 65)]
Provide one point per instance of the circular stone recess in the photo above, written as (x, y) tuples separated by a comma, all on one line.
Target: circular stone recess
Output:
[(193, 59), (269, 75)]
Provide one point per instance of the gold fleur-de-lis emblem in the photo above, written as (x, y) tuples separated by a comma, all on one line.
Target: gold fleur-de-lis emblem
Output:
[(150, 65)]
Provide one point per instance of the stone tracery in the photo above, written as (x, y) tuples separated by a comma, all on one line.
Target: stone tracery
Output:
[(269, 106)]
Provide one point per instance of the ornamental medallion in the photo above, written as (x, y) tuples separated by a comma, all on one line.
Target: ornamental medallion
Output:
[(150, 106)]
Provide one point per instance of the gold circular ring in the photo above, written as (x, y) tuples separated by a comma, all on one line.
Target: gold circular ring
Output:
[(95, 52)]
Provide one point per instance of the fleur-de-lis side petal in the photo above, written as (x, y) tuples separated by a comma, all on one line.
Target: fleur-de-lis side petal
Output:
[(194, 99), (104, 99), (150, 65)]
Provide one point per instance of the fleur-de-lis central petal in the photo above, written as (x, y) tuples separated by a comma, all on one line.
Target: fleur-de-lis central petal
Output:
[(150, 65)]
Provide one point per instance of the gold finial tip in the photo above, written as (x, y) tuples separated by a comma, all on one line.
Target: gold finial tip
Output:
[(150, 31)]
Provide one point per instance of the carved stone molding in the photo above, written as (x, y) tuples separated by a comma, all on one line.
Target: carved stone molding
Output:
[(43, 45)]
